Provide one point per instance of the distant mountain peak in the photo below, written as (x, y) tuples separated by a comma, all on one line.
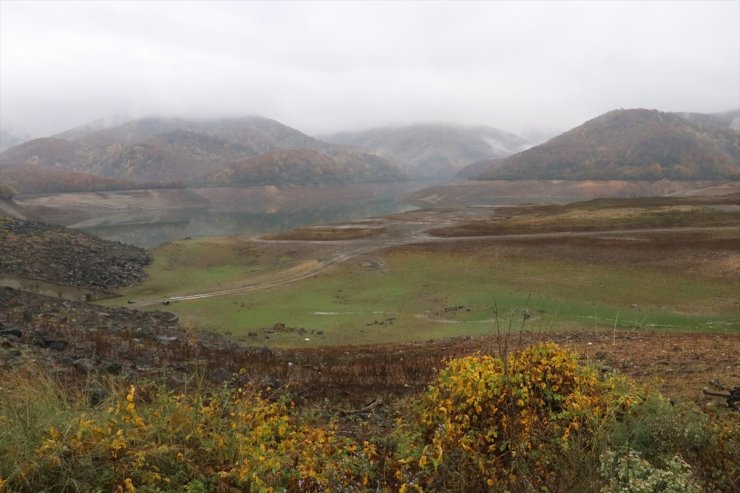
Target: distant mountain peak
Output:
[(434, 150)]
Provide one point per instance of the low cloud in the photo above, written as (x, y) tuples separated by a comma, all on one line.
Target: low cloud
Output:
[(324, 67)]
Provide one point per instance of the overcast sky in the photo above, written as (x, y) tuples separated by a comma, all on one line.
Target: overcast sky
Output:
[(329, 66)]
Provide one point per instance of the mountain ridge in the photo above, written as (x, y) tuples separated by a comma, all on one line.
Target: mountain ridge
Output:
[(627, 144), (162, 151), (434, 150), (168, 151)]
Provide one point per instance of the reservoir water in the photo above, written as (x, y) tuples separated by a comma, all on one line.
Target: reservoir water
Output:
[(149, 218)]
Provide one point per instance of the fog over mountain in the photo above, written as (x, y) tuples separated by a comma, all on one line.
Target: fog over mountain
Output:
[(533, 69), (9, 139), (173, 151), (434, 151)]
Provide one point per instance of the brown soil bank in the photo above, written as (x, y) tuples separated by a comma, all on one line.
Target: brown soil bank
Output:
[(71, 207), (527, 191)]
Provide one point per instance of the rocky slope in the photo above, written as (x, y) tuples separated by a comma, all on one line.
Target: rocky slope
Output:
[(434, 151), (73, 340), (67, 256), (636, 144)]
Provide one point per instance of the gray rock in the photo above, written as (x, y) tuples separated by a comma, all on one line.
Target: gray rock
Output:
[(166, 339), (112, 367), (265, 352), (66, 360), (85, 365), (219, 375), (56, 344), (96, 395), (11, 332)]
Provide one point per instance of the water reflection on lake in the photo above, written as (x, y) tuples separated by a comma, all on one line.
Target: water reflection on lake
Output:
[(149, 228), (150, 217)]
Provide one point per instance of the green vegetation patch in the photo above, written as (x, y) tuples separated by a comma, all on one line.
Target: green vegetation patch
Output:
[(194, 265), (421, 293)]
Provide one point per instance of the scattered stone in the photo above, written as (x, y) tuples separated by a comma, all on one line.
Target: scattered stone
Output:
[(56, 344), (220, 375), (66, 360), (270, 383), (39, 339), (42, 339), (11, 332), (85, 365), (144, 331), (265, 352), (112, 367), (166, 339), (96, 395)]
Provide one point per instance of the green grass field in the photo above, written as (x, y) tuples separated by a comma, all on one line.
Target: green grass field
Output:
[(195, 265), (419, 293)]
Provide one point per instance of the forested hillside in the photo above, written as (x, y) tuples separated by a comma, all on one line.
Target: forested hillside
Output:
[(634, 144)]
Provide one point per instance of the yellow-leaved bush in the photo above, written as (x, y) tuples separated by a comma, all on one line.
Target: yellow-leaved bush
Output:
[(498, 425), (234, 440), (537, 420)]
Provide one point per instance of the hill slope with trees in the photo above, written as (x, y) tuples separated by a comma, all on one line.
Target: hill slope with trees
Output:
[(635, 144), (304, 167), (167, 151)]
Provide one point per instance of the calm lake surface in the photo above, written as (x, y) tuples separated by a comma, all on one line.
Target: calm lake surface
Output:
[(148, 218), (151, 228)]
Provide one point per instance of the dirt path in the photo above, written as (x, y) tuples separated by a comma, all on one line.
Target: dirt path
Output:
[(298, 272), (398, 234)]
